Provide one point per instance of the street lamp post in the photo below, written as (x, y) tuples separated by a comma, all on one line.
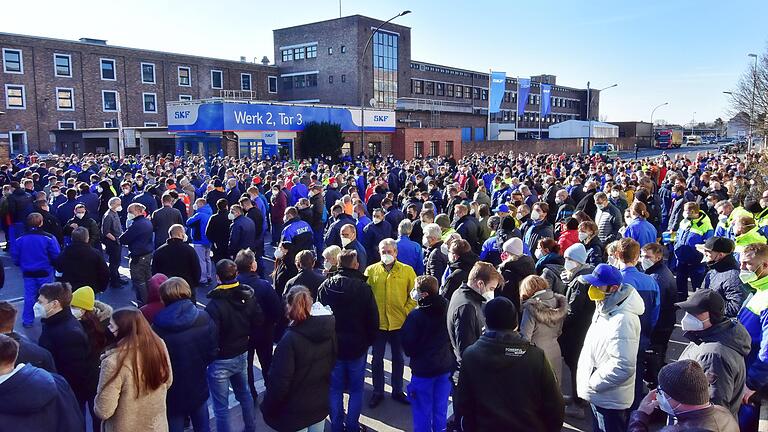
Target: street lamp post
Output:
[(752, 104), (652, 112), (360, 76), (589, 119)]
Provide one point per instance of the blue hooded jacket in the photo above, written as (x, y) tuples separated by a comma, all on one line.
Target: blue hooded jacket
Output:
[(35, 251), (197, 225), (648, 288)]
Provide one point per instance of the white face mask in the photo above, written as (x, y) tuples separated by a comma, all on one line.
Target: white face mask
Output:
[(583, 236), (488, 295), (425, 242), (646, 263), (327, 265), (613, 262), (345, 241), (538, 253), (691, 323), (415, 295), (664, 403), (747, 276), (40, 311), (444, 249), (231, 216), (387, 259), (377, 220), (570, 265), (56, 194), (77, 312), (279, 253), (79, 215), (119, 209), (100, 189), (130, 216), (535, 215)]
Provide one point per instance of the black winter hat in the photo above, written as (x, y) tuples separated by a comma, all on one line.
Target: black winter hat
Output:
[(685, 382), (500, 314)]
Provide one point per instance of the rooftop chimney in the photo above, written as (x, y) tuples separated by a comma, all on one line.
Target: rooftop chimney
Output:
[(242, 59), (265, 61)]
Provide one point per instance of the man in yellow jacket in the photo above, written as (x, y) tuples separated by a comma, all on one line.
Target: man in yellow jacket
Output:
[(391, 282)]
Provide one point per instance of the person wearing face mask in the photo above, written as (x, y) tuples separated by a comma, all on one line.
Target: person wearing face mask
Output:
[(564, 204), (754, 272), (435, 261), (409, 252), (349, 241), (242, 231), (111, 230), (608, 359), (719, 344), (539, 227), (373, 233), (357, 324), (307, 276), (587, 204), (82, 219), (679, 198), (577, 320), (338, 220), (279, 202), (200, 242), (588, 237), (694, 230), (426, 343), (391, 282), (163, 218), (746, 232), (138, 238), (723, 274), (176, 258), (465, 316), (65, 338), (608, 219), (543, 313), (618, 198), (460, 262), (683, 395)]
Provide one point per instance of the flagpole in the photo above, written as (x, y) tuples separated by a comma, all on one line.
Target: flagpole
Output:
[(488, 133), (517, 111), (541, 106)]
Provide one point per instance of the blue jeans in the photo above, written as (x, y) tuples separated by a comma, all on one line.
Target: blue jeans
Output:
[(317, 427), (608, 420), (222, 374), (198, 417), (31, 288), (377, 365), (350, 375), (429, 402)]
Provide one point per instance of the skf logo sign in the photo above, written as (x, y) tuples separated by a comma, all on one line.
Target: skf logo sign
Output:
[(498, 80), (181, 114), (380, 118)]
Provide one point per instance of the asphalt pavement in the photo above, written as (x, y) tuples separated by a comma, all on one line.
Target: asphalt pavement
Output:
[(652, 152)]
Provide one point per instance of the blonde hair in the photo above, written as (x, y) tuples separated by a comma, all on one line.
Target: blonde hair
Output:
[(174, 289), (531, 285)]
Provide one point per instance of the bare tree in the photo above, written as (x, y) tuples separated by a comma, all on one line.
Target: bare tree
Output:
[(742, 96)]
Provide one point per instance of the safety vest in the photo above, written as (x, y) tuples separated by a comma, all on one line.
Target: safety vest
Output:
[(761, 219), (750, 237), (699, 226)]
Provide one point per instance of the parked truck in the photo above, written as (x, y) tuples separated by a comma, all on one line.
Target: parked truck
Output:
[(668, 138)]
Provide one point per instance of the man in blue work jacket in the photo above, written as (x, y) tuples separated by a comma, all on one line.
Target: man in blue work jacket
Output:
[(695, 229)]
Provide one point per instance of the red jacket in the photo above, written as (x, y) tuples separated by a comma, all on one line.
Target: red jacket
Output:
[(567, 238)]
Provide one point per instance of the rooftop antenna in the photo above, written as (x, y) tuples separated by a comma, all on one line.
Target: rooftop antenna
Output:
[(339, 8)]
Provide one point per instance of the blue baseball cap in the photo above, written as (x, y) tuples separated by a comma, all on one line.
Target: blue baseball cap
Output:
[(604, 275), (502, 209)]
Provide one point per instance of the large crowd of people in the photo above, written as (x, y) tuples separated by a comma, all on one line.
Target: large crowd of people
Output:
[(503, 280)]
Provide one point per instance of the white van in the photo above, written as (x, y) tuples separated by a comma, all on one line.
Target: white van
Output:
[(693, 140)]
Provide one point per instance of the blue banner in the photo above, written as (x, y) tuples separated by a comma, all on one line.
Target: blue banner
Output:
[(523, 89), (498, 83), (232, 116), (546, 99)]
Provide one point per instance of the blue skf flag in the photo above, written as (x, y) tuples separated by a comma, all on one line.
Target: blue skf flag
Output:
[(523, 89), (498, 81), (546, 100)]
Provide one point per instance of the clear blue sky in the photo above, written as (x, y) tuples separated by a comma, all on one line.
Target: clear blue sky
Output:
[(684, 52)]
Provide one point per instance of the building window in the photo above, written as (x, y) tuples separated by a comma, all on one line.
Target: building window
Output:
[(343, 78), (15, 96), (217, 79), (434, 148), (298, 53), (13, 62), (65, 100), (343, 49), (449, 90), (459, 92), (148, 73), (468, 92), (330, 50), (272, 84), (150, 124), (440, 89), (476, 92), (287, 83), (448, 148), (245, 81), (484, 94), (108, 70), (418, 86), (67, 125), (385, 63), (185, 97), (429, 88), (312, 80), (150, 102), (110, 124), (418, 149), (109, 100), (330, 79), (62, 65), (184, 76), (287, 55), (18, 141), (312, 51)]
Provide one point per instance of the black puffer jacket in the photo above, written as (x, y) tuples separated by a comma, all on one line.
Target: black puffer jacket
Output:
[(435, 261), (300, 376), (579, 317), (425, 338), (459, 274), (513, 272), (723, 277), (354, 307), (237, 315)]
